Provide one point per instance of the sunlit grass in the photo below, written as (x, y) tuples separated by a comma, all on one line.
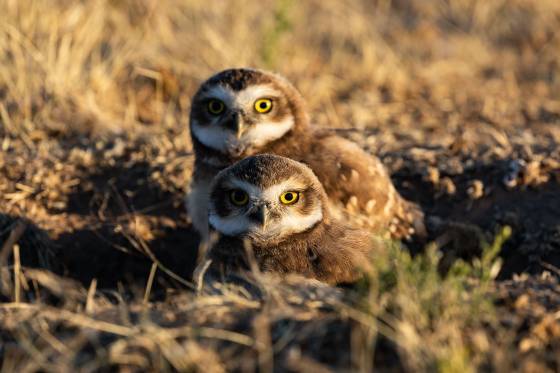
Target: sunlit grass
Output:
[(437, 321)]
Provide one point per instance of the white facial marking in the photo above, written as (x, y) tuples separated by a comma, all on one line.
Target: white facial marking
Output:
[(212, 135), (231, 225), (290, 222), (264, 132), (256, 135)]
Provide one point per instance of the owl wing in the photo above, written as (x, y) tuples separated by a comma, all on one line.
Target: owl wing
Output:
[(359, 186), (345, 254)]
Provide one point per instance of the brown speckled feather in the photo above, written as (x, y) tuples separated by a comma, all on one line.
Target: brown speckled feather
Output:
[(359, 186), (332, 253)]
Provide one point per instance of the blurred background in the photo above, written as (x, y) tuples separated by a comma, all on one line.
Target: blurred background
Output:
[(118, 64)]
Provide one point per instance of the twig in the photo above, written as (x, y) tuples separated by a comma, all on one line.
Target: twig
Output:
[(212, 333), (17, 306), (150, 282), (143, 247), (84, 321), (17, 275), (199, 273), (90, 296)]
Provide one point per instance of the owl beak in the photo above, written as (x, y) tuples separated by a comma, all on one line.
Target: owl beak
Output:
[(260, 215), (235, 123), (239, 128)]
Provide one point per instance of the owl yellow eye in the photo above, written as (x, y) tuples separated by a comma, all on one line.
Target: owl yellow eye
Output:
[(289, 198), (216, 107), (238, 197), (263, 105)]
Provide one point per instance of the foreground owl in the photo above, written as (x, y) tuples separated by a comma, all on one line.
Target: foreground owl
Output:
[(241, 112), (277, 208)]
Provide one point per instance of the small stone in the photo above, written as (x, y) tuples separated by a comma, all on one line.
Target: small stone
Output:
[(476, 189)]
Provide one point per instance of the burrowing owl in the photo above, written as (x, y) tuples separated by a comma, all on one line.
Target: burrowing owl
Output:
[(277, 208), (241, 112)]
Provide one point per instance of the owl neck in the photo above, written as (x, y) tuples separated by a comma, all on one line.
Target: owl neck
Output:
[(295, 246), (299, 254), (296, 242)]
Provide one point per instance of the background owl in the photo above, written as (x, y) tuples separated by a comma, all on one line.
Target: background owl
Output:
[(241, 112), (277, 208)]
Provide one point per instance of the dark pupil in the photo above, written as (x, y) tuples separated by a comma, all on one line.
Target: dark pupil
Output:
[(238, 196), (289, 196), (263, 105), (215, 106)]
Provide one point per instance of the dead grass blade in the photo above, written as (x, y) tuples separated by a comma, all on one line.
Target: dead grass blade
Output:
[(150, 283)]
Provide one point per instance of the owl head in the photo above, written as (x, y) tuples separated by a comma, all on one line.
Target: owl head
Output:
[(239, 111), (266, 199)]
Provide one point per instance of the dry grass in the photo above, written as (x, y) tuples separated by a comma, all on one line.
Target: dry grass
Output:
[(458, 97)]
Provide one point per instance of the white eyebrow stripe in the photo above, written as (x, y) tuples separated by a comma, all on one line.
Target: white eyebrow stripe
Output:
[(250, 94), (220, 92), (251, 189), (270, 194), (241, 98), (274, 192)]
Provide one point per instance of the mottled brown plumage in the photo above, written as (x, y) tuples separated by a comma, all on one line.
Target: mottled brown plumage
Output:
[(298, 238), (357, 184)]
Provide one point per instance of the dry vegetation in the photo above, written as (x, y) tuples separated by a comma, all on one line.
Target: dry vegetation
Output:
[(460, 98)]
